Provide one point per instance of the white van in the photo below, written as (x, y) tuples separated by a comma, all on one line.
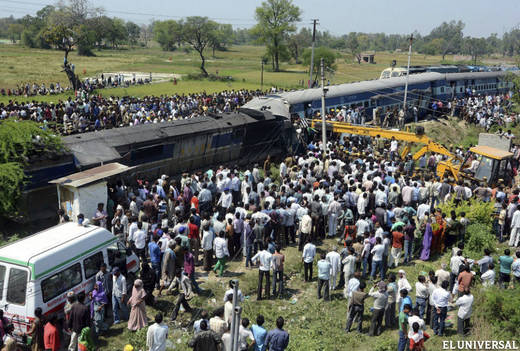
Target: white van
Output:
[(39, 270)]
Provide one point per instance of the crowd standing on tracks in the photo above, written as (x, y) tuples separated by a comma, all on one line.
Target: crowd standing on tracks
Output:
[(369, 210)]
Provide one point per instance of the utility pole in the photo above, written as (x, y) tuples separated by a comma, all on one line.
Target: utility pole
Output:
[(407, 75), (315, 21), (323, 125), (262, 76), (235, 322)]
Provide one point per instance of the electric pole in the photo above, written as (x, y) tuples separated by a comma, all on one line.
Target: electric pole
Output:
[(407, 75), (262, 76), (315, 21), (323, 125)]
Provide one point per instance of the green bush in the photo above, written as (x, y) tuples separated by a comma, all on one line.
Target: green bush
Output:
[(138, 339), (478, 238), (476, 211), (502, 310)]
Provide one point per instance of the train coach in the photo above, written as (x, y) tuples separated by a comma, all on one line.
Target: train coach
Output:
[(423, 89)]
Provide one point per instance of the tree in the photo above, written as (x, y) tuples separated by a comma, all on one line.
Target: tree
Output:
[(434, 47), (452, 34), (328, 56), (222, 37), (15, 32), (353, 46), (167, 34), (199, 32), (297, 42), (276, 20), (19, 141), (116, 33), (133, 32), (476, 47)]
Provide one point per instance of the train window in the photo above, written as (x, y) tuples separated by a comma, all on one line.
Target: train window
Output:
[(442, 89), (365, 104), (473, 82)]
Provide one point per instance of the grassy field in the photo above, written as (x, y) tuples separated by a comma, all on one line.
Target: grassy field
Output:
[(22, 65), (313, 324)]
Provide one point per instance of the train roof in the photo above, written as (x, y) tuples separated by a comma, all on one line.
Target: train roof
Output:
[(299, 96), (272, 103), (97, 147)]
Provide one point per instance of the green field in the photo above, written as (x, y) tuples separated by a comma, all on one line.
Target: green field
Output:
[(22, 65)]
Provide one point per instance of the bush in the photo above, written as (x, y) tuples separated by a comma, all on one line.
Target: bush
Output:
[(502, 310), (478, 238), (138, 339), (476, 211)]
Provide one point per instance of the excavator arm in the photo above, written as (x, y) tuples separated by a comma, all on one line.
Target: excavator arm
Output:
[(408, 137)]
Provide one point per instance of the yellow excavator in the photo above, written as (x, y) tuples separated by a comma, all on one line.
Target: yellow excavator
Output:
[(494, 163)]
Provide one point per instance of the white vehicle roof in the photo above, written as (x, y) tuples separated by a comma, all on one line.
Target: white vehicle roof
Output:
[(55, 247)]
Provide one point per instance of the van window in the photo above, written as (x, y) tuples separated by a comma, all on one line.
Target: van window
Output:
[(60, 282), (91, 264), (116, 255), (2, 279), (17, 286)]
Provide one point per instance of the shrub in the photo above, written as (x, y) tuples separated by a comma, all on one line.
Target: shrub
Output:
[(502, 310), (138, 339), (476, 211), (478, 238)]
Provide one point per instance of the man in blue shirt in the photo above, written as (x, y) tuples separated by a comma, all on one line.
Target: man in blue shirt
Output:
[(259, 333), (277, 339), (155, 257), (405, 299), (323, 276)]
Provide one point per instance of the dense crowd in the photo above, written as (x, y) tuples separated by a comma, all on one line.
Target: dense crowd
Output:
[(371, 213), (87, 85), (88, 113)]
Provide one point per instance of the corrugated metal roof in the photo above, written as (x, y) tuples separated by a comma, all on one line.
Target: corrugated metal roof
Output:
[(92, 175)]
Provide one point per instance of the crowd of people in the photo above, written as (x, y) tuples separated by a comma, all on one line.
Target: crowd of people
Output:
[(34, 89), (88, 113), (378, 211), (371, 212)]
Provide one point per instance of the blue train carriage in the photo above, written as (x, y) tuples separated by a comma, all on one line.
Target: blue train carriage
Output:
[(368, 95), (478, 83)]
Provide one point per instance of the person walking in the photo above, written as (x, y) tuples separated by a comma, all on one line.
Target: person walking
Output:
[(264, 257), (184, 292)]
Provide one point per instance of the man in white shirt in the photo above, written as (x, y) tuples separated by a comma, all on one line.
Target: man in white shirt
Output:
[(309, 251), (377, 259), (515, 229), (488, 278), (118, 293), (349, 266), (139, 238), (220, 246), (334, 259), (157, 334), (245, 335), (464, 303), (305, 230), (421, 294), (441, 299), (265, 258), (226, 199)]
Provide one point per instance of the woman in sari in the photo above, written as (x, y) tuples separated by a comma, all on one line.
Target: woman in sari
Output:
[(427, 241), (437, 232), (98, 303), (136, 302)]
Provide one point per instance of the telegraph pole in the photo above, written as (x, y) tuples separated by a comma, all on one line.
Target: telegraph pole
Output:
[(407, 74), (315, 21), (262, 76), (323, 125)]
